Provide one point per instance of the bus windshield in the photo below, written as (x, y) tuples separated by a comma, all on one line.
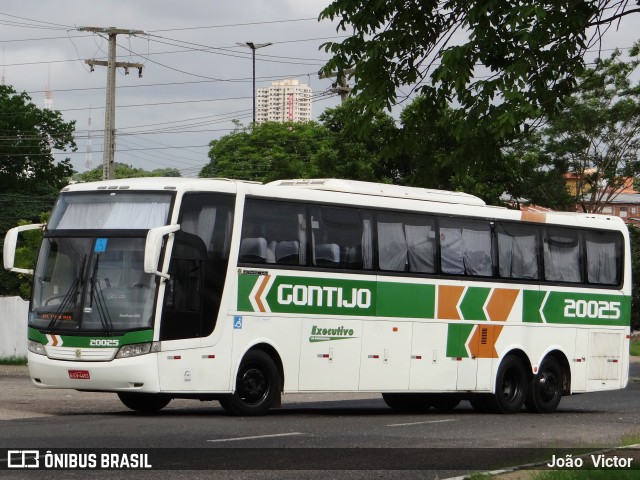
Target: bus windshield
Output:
[(110, 211), (92, 284)]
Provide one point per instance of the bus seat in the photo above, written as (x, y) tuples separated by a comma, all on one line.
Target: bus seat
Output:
[(354, 257), (288, 252), (253, 250), (327, 255), (271, 251)]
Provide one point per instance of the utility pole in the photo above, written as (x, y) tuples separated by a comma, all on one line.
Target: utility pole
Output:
[(108, 168), (340, 85), (254, 47)]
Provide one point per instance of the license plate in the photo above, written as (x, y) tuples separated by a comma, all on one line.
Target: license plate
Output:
[(79, 374)]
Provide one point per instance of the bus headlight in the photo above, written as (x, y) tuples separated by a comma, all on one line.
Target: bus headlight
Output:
[(36, 347), (136, 349)]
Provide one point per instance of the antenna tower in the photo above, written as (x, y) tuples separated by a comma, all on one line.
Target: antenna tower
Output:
[(88, 158), (48, 96)]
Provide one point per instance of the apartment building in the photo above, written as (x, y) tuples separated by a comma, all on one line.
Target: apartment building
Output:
[(284, 101)]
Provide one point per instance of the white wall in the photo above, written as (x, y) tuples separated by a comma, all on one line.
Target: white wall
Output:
[(13, 327)]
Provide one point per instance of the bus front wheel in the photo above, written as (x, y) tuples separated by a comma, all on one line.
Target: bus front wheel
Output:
[(144, 402), (257, 386)]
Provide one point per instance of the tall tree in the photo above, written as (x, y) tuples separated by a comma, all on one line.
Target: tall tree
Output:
[(266, 152), (30, 177), (354, 155), (504, 63), (28, 136), (597, 132)]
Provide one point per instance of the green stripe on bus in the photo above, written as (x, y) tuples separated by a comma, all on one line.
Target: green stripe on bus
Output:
[(140, 336), (473, 302), (406, 300), (457, 336)]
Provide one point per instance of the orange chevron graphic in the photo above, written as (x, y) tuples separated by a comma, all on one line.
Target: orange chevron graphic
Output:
[(54, 340), (258, 296), (483, 341), (448, 298), (500, 304)]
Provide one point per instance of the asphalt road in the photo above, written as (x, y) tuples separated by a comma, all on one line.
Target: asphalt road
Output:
[(343, 436)]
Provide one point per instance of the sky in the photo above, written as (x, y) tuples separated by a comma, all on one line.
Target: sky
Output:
[(196, 79)]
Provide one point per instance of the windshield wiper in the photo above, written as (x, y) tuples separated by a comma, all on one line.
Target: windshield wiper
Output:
[(68, 299), (97, 296)]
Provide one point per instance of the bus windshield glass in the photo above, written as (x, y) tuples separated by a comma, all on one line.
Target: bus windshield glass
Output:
[(110, 211), (92, 284)]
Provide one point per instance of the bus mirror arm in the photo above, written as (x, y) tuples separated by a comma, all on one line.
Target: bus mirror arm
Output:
[(10, 245), (153, 248)]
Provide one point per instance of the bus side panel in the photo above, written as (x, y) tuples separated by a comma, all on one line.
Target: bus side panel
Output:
[(431, 370), (385, 359), (330, 354)]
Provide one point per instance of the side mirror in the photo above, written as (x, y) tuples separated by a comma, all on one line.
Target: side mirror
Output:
[(10, 245), (153, 248)]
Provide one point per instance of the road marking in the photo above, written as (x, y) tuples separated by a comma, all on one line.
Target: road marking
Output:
[(421, 423), (238, 439)]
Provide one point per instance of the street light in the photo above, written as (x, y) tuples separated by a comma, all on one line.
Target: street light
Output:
[(254, 47)]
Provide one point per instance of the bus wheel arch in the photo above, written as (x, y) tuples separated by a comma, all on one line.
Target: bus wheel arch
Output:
[(258, 383), (549, 384)]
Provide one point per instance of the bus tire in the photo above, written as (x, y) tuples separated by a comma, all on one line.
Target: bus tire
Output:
[(545, 389), (407, 402), (511, 385), (257, 386), (144, 402), (482, 403), (444, 402)]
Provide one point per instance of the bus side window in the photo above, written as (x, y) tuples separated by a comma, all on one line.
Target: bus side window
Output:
[(273, 232), (341, 238), (406, 242), (518, 251), (604, 257), (562, 258), (466, 247)]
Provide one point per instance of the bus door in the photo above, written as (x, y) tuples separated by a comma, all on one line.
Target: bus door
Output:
[(182, 313)]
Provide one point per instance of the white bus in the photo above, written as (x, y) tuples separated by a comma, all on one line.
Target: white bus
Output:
[(215, 289)]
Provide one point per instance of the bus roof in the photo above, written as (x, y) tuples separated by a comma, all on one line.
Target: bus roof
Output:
[(381, 190)]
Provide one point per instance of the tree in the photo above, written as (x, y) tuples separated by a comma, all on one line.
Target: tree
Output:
[(634, 234), (596, 135), (503, 64), (29, 134), (357, 156), (123, 170), (271, 151), (266, 152), (30, 177)]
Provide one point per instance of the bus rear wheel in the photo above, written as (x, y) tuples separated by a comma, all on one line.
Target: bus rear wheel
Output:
[(545, 390), (144, 402), (257, 386)]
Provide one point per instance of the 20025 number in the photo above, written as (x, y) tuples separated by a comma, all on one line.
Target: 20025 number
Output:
[(591, 309)]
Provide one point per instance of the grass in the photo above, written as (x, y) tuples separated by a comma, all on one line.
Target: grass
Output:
[(587, 475), (635, 346), (633, 439), (13, 360)]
